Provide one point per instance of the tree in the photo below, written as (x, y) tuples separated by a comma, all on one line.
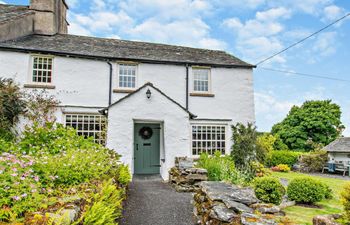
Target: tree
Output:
[(265, 144), (12, 104), (314, 123), (244, 148)]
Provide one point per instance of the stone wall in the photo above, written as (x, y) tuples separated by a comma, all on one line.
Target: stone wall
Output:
[(226, 204), (185, 177), (18, 27)]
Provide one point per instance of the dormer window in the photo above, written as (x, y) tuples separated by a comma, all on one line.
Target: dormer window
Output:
[(201, 80), (127, 76), (42, 69)]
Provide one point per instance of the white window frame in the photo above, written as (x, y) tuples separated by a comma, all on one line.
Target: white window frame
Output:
[(119, 64), (100, 140), (194, 68), (31, 69), (226, 138)]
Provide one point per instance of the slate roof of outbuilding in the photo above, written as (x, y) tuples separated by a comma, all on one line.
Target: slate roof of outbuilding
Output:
[(339, 145), (11, 12), (92, 47)]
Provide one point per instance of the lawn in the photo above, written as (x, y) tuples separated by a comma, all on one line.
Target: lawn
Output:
[(301, 215)]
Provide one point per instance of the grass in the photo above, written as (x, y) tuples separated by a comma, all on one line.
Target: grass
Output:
[(302, 215)]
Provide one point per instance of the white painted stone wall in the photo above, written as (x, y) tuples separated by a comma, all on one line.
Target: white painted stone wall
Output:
[(157, 109), (82, 85), (82, 82), (345, 157)]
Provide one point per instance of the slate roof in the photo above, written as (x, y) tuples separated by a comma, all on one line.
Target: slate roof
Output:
[(339, 145), (92, 47), (103, 111), (11, 12)]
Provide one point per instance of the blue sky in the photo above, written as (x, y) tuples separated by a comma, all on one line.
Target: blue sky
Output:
[(252, 31)]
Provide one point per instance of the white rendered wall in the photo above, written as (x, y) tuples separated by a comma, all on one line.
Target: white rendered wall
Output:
[(345, 157), (157, 109), (83, 82)]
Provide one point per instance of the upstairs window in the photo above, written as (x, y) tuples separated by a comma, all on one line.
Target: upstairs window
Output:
[(201, 80), (127, 76), (42, 69), (208, 139), (88, 125)]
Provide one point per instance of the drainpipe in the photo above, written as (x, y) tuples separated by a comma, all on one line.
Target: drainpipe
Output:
[(110, 83), (187, 86)]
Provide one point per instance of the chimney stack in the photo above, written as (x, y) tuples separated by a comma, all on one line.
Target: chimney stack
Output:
[(50, 16)]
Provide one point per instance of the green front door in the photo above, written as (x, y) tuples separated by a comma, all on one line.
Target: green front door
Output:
[(146, 149)]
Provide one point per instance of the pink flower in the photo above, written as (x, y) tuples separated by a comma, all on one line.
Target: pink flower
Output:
[(16, 198), (36, 178), (14, 169), (14, 174), (22, 178), (24, 195), (34, 190)]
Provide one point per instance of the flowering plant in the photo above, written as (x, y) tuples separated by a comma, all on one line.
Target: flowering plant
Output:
[(20, 187)]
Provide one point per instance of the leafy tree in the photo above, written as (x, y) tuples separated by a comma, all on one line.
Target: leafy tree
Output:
[(12, 104), (307, 126), (265, 144), (244, 148)]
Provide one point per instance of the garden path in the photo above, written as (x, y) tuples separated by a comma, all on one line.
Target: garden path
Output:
[(153, 202)]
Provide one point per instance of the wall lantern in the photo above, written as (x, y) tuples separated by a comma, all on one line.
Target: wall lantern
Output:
[(148, 93)]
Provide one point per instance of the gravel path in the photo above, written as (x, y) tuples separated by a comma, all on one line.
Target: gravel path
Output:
[(153, 202), (329, 175)]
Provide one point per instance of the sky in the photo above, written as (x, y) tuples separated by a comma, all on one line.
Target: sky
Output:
[(251, 30)]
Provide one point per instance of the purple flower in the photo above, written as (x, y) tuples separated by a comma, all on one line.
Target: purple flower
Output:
[(16, 198), (24, 195), (36, 178), (14, 174)]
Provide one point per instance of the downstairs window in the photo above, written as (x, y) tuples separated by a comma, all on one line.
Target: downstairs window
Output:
[(208, 139), (88, 125)]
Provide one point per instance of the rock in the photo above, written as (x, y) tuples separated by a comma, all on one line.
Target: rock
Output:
[(222, 213), (220, 191), (324, 220), (66, 216), (184, 177), (266, 208), (252, 219), (236, 206)]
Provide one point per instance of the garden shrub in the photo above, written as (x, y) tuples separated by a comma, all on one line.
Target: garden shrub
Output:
[(265, 143), (314, 161), (307, 190), (220, 168), (12, 105), (51, 138), (269, 190), (281, 168), (259, 169), (20, 187), (346, 201), (124, 175), (107, 206), (244, 148), (282, 157)]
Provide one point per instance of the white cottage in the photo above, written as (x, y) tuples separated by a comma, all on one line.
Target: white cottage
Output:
[(158, 101)]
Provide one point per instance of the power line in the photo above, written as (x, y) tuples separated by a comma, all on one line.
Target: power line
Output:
[(302, 40), (304, 74)]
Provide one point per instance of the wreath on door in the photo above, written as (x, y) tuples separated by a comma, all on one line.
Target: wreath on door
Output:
[(146, 133)]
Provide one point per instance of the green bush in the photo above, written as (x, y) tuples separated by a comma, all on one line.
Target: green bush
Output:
[(51, 139), (20, 186), (269, 190), (220, 168), (107, 206), (12, 105), (346, 201), (282, 157), (314, 162), (307, 190)]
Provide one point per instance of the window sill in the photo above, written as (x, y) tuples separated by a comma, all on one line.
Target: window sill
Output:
[(202, 94), (44, 86), (123, 90)]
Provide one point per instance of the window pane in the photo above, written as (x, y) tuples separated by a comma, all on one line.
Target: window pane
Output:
[(208, 138), (201, 80), (127, 76), (42, 69), (88, 126)]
